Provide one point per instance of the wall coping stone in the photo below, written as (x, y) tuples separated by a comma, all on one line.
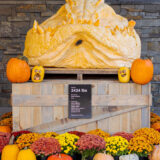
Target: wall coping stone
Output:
[(113, 2)]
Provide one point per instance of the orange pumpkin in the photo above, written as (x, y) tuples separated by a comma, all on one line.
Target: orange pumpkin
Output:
[(18, 70), (5, 129), (155, 126), (155, 155), (60, 157), (142, 71), (103, 156)]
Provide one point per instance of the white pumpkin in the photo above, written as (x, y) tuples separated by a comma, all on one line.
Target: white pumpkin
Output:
[(129, 157)]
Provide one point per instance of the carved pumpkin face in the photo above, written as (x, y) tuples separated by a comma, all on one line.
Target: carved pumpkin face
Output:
[(83, 34), (38, 74), (124, 75)]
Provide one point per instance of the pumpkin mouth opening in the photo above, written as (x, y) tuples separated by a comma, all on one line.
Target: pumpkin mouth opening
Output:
[(79, 42)]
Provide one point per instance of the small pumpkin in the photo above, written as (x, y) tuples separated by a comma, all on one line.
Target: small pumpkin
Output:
[(124, 75), (155, 155), (156, 126), (129, 157), (103, 156), (60, 157), (10, 152), (37, 74), (18, 70), (142, 71), (5, 129), (26, 155)]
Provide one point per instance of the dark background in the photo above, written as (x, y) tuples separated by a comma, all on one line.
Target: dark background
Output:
[(16, 18)]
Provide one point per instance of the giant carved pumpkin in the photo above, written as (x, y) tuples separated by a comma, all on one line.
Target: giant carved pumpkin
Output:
[(18, 71), (59, 157), (156, 153), (142, 71), (83, 34), (10, 152)]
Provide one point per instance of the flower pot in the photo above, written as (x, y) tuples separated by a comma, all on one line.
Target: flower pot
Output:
[(143, 158), (76, 156), (116, 157), (42, 158)]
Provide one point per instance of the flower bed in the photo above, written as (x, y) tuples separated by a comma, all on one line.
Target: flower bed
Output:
[(80, 145)]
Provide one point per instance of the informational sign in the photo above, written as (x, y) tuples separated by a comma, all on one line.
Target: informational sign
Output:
[(80, 102)]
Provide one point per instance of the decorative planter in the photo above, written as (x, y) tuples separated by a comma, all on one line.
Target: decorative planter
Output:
[(42, 158), (116, 158), (143, 158)]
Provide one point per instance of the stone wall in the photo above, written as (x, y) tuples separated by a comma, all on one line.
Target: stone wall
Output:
[(17, 16)]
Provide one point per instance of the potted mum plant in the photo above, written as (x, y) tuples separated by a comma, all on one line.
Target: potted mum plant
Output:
[(45, 147), (116, 146), (68, 144), (140, 146), (89, 144)]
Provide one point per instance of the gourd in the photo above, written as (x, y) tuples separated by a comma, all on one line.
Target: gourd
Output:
[(155, 155), (142, 71), (124, 75), (83, 34), (129, 157), (10, 152), (5, 129), (37, 74), (18, 71), (26, 155), (103, 156), (59, 157)]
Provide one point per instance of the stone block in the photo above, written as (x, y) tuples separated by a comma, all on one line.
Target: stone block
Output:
[(47, 14), (152, 8), (157, 68), (18, 19), (117, 8), (154, 46), (5, 10), (31, 8), (5, 29), (148, 23)]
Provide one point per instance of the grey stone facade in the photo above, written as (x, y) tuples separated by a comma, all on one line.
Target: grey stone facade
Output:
[(16, 17)]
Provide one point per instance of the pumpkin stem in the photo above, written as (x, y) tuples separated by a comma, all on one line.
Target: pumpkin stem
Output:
[(24, 58)]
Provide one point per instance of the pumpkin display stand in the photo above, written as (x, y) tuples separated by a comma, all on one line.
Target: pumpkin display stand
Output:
[(42, 107)]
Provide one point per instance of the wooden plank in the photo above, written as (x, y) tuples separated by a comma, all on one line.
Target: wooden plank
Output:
[(87, 127), (145, 114), (80, 71), (135, 120), (114, 89), (104, 124), (125, 89), (26, 117), (37, 120), (64, 124), (47, 114), (58, 113), (62, 100), (114, 124), (125, 122)]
